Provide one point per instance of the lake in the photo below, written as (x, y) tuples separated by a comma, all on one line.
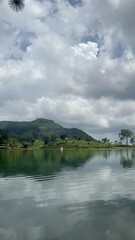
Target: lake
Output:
[(69, 195)]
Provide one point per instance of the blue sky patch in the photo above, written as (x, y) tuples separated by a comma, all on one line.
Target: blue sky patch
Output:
[(118, 50), (75, 2)]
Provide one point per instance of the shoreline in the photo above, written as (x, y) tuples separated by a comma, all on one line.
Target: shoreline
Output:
[(68, 148)]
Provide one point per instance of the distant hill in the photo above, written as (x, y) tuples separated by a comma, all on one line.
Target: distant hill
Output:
[(42, 129)]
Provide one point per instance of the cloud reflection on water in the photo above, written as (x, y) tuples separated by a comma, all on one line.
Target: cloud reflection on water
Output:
[(94, 200)]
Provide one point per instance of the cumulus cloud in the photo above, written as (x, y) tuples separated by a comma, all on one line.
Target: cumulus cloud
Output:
[(86, 50), (70, 61)]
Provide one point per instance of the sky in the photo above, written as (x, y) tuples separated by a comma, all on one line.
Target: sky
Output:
[(71, 61)]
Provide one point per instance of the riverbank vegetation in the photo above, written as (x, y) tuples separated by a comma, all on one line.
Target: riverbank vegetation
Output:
[(13, 142), (43, 133)]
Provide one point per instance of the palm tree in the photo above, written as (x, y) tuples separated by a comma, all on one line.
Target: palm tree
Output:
[(16, 5)]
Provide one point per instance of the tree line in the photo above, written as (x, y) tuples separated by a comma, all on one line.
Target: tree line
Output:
[(126, 136), (8, 140)]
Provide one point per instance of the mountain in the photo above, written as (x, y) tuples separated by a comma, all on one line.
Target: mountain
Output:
[(42, 129)]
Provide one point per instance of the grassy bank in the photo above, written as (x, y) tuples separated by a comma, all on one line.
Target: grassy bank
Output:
[(84, 144), (73, 144)]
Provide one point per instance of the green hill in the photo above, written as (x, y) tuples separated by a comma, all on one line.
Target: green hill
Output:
[(42, 129)]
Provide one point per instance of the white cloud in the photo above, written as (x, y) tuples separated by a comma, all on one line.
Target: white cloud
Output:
[(87, 50), (54, 54)]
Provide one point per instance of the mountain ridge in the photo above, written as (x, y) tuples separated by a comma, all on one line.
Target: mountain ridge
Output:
[(41, 128)]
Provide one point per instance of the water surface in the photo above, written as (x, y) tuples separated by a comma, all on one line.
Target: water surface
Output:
[(69, 195)]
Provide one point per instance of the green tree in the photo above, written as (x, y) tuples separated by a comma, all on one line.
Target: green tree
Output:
[(53, 138), (132, 140), (14, 142), (38, 143), (125, 135), (25, 144), (63, 136), (105, 140), (3, 136), (46, 139)]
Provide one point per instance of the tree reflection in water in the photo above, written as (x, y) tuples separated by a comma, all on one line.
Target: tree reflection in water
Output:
[(127, 158)]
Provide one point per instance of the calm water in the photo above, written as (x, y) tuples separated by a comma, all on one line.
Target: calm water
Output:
[(74, 195)]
